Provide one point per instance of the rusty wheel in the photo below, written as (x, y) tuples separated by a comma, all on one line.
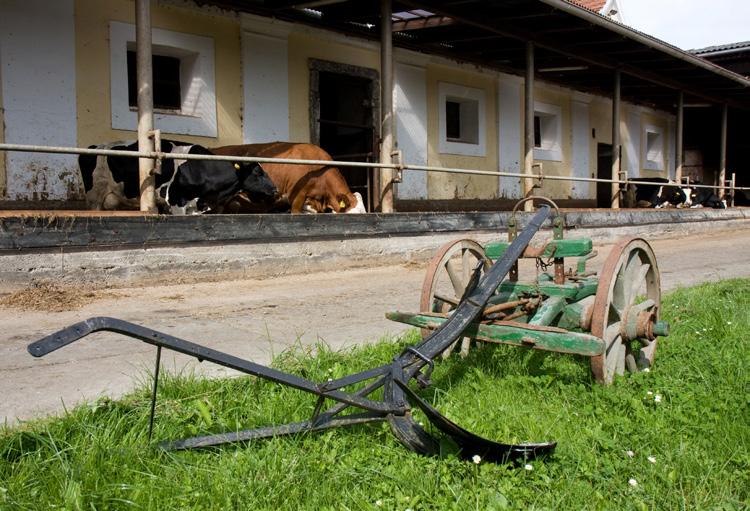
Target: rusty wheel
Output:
[(626, 309), (447, 277)]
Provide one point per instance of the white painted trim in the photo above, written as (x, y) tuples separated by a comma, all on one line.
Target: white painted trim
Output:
[(632, 143), (38, 81), (265, 83), (657, 163), (410, 89), (509, 134), (446, 146), (551, 149), (198, 113), (270, 27), (581, 157)]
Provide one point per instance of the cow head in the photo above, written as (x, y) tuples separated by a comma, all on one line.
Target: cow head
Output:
[(255, 183)]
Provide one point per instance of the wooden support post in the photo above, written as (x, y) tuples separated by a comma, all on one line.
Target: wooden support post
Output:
[(723, 152), (679, 159), (386, 103), (527, 183), (145, 103), (615, 199)]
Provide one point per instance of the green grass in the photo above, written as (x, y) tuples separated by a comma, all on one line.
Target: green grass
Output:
[(98, 457)]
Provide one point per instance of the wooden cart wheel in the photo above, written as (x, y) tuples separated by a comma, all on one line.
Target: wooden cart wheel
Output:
[(446, 279), (626, 306)]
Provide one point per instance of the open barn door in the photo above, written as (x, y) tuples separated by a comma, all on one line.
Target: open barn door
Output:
[(344, 120)]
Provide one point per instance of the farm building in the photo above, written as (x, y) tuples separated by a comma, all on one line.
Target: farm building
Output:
[(604, 101)]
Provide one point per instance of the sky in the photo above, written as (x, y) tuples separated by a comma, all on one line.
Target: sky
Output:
[(690, 24)]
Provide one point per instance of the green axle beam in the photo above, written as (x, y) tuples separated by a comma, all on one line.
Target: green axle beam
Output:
[(516, 334)]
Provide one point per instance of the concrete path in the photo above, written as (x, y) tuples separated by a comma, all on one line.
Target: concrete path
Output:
[(255, 319)]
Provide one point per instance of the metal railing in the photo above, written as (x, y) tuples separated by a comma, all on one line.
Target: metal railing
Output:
[(159, 155)]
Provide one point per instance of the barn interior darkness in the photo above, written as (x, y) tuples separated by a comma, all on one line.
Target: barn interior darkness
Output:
[(346, 127)]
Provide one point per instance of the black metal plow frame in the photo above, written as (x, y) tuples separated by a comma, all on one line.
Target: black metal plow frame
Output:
[(398, 397)]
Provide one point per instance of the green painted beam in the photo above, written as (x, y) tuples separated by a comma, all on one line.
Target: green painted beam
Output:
[(565, 248), (548, 310), (547, 338)]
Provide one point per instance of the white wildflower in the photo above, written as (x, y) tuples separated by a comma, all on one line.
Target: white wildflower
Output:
[(646, 370), (378, 502), (476, 459), (632, 482), (528, 467), (651, 459), (649, 393), (657, 398), (630, 454), (729, 322)]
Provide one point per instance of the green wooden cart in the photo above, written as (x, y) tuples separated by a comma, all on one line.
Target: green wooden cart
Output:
[(612, 317)]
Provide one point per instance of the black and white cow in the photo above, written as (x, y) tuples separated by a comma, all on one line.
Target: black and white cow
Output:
[(112, 182), (702, 198), (657, 195)]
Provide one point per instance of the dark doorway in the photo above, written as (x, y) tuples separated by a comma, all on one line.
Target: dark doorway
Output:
[(344, 117), (603, 171)]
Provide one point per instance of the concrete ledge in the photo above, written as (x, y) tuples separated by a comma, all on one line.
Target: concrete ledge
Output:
[(102, 251), (52, 230)]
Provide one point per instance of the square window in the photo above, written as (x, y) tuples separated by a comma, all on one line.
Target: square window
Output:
[(166, 70), (653, 150), (547, 132), (183, 81), (462, 120)]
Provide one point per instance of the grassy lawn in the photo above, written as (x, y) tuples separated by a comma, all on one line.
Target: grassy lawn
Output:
[(677, 437)]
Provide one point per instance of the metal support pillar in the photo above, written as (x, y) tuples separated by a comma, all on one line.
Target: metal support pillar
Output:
[(145, 103), (679, 157), (386, 102), (723, 152), (528, 161), (615, 200)]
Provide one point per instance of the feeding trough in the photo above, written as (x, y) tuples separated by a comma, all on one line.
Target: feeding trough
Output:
[(468, 315)]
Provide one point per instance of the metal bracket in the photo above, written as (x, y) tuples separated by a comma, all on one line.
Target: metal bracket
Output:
[(397, 158), (156, 135)]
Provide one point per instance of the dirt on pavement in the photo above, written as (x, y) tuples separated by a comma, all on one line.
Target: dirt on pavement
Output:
[(252, 319)]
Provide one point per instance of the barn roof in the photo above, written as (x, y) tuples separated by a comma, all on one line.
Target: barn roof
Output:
[(575, 46)]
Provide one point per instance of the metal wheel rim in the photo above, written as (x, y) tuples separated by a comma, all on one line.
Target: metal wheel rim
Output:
[(630, 264), (439, 266)]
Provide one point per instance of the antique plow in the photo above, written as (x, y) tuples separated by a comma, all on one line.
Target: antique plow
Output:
[(612, 318), (415, 362)]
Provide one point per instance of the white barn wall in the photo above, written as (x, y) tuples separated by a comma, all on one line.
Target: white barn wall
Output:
[(509, 102), (265, 77), (37, 53), (581, 159), (632, 142), (411, 128)]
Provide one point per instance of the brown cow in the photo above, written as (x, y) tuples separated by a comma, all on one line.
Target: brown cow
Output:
[(306, 188)]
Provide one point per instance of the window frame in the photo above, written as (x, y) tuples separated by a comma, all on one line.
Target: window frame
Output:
[(471, 99), (658, 163), (550, 132), (198, 113)]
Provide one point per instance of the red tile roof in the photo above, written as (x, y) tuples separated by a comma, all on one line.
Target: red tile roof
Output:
[(594, 5)]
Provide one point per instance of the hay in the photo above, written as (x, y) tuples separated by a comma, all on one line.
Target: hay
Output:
[(50, 297)]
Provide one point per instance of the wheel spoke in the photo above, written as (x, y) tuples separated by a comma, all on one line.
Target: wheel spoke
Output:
[(455, 276), (611, 334), (616, 351), (466, 265), (638, 278), (621, 292), (620, 367)]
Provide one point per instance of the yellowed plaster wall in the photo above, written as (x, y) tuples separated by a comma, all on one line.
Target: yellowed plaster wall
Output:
[(442, 185), (557, 189), (93, 72), (302, 48)]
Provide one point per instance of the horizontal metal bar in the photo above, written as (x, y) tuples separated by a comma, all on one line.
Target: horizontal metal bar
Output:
[(293, 161)]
